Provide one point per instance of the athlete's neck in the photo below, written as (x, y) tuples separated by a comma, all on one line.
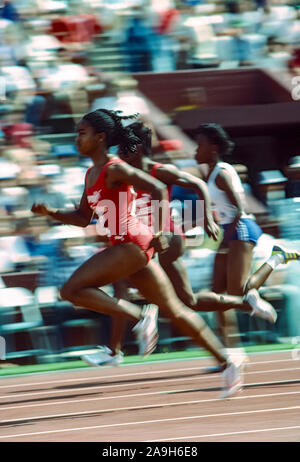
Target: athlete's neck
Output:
[(101, 161), (211, 167)]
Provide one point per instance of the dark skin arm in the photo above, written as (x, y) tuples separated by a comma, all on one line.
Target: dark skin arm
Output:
[(120, 173), (171, 175), (116, 174), (81, 216), (224, 182)]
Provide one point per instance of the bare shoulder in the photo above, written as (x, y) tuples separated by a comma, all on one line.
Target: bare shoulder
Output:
[(116, 169), (224, 179), (122, 172)]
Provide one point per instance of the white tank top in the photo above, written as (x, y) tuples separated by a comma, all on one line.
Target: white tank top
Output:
[(223, 209)]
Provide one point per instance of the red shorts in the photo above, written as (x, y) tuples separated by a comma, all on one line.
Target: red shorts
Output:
[(139, 234)]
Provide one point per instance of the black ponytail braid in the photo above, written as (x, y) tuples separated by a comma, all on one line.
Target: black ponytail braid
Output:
[(110, 122), (144, 133)]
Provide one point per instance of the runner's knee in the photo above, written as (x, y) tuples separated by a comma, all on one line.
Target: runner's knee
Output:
[(67, 292), (189, 300), (236, 289), (250, 283)]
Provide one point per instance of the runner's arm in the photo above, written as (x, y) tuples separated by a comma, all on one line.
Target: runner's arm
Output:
[(124, 173), (224, 182), (171, 175), (80, 216)]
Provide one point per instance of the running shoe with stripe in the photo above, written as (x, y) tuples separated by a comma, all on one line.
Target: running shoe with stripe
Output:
[(103, 357), (146, 330), (288, 255), (260, 307)]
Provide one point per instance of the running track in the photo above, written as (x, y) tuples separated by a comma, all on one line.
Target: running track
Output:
[(171, 401)]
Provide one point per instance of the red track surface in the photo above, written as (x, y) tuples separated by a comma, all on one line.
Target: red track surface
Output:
[(167, 401)]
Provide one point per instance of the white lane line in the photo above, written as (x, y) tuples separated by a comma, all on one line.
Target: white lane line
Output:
[(104, 377), (101, 386), (215, 435), (145, 422), (26, 420), (155, 362), (120, 375), (118, 409), (153, 393)]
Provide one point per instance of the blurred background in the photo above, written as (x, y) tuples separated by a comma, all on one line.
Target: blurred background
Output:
[(179, 64)]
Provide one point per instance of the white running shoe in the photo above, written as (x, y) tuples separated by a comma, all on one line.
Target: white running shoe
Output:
[(146, 330), (103, 358), (238, 356), (260, 307), (232, 377)]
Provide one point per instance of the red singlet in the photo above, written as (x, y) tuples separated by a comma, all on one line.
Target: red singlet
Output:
[(144, 208), (115, 209)]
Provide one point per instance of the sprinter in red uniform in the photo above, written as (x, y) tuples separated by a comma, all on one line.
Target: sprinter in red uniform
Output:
[(129, 255)]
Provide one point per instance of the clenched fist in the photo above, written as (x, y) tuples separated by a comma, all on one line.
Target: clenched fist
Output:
[(41, 209)]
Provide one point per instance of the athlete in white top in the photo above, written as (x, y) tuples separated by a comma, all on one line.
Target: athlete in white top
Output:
[(241, 232), (225, 211)]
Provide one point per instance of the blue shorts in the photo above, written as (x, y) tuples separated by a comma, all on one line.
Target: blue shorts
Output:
[(247, 230)]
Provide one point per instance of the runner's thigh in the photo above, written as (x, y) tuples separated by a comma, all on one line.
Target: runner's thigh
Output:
[(110, 265)]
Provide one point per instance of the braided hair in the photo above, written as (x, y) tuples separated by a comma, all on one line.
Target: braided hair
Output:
[(144, 134), (110, 122), (216, 135)]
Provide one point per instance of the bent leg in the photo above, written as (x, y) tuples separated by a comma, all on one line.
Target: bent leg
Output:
[(155, 286), (280, 256), (113, 263), (117, 334), (257, 279), (174, 267), (118, 323), (227, 319), (216, 300), (239, 262), (177, 274), (211, 301)]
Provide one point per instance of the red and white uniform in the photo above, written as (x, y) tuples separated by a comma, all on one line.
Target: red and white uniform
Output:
[(115, 208)]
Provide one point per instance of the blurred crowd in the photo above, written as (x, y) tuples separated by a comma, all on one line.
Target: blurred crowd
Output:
[(62, 58)]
